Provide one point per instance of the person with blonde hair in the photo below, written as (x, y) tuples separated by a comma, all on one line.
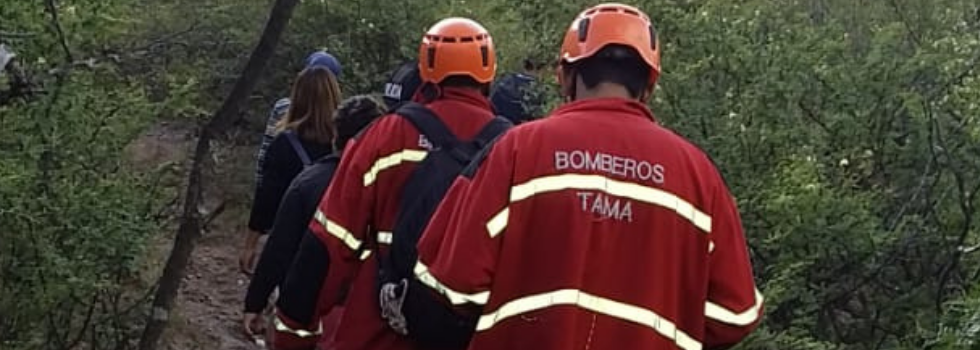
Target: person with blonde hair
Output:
[(297, 294), (305, 133)]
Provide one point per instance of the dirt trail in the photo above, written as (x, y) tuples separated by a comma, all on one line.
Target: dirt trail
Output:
[(208, 311), (210, 301)]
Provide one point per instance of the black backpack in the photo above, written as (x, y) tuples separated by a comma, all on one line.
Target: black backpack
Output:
[(410, 307)]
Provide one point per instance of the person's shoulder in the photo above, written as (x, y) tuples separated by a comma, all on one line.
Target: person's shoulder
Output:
[(279, 109), (509, 77), (680, 141), (518, 135), (279, 142), (507, 83), (694, 152), (383, 129), (384, 125), (322, 167), (281, 103)]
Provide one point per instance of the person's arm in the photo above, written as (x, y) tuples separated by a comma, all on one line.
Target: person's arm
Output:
[(734, 305), (277, 173), (280, 167), (299, 303), (299, 293), (284, 239), (278, 109), (459, 248)]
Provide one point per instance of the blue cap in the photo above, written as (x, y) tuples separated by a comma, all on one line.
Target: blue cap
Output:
[(323, 59)]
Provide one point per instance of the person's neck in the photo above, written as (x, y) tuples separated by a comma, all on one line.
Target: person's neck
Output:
[(603, 90)]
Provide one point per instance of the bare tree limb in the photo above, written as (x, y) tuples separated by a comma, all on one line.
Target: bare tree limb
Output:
[(85, 324), (164, 39), (905, 22), (812, 116), (21, 84), (191, 221), (213, 215), (52, 8), (16, 35)]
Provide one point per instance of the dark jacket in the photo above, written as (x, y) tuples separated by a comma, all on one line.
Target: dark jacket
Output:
[(269, 134), (295, 212), (280, 165), (515, 97)]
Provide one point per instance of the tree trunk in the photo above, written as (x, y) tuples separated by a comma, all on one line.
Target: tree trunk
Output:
[(190, 223)]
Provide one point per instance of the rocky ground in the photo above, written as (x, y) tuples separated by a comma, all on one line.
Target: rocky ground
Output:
[(209, 305)]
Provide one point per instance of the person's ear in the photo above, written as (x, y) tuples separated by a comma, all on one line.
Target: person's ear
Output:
[(566, 83), (645, 95)]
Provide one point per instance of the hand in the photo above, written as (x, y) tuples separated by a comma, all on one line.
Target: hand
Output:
[(254, 325), (249, 253)]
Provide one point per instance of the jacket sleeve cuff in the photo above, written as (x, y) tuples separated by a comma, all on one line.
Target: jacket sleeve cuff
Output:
[(254, 305)]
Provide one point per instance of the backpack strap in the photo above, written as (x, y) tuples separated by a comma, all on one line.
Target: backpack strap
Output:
[(483, 143), (427, 123), (494, 128), (394, 106), (298, 147)]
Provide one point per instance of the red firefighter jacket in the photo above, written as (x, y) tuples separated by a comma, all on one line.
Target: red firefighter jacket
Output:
[(361, 205), (594, 228)]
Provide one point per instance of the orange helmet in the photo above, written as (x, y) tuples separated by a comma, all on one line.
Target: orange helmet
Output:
[(612, 23), (457, 46)]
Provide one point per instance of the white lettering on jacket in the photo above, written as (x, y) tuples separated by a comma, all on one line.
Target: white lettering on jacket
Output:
[(604, 205), (630, 168)]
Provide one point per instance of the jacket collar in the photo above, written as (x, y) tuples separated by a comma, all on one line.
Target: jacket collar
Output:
[(456, 94), (607, 105), (468, 96)]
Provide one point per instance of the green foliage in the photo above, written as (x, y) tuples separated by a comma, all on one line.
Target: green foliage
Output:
[(75, 218), (960, 328), (74, 223)]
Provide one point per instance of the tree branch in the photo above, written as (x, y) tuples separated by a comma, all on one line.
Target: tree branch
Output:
[(85, 324), (905, 22), (191, 222), (16, 35), (209, 217), (52, 8), (812, 116)]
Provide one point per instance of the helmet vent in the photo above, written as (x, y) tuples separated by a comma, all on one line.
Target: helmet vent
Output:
[(583, 29), (432, 58), (653, 38), (485, 54), (467, 39)]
